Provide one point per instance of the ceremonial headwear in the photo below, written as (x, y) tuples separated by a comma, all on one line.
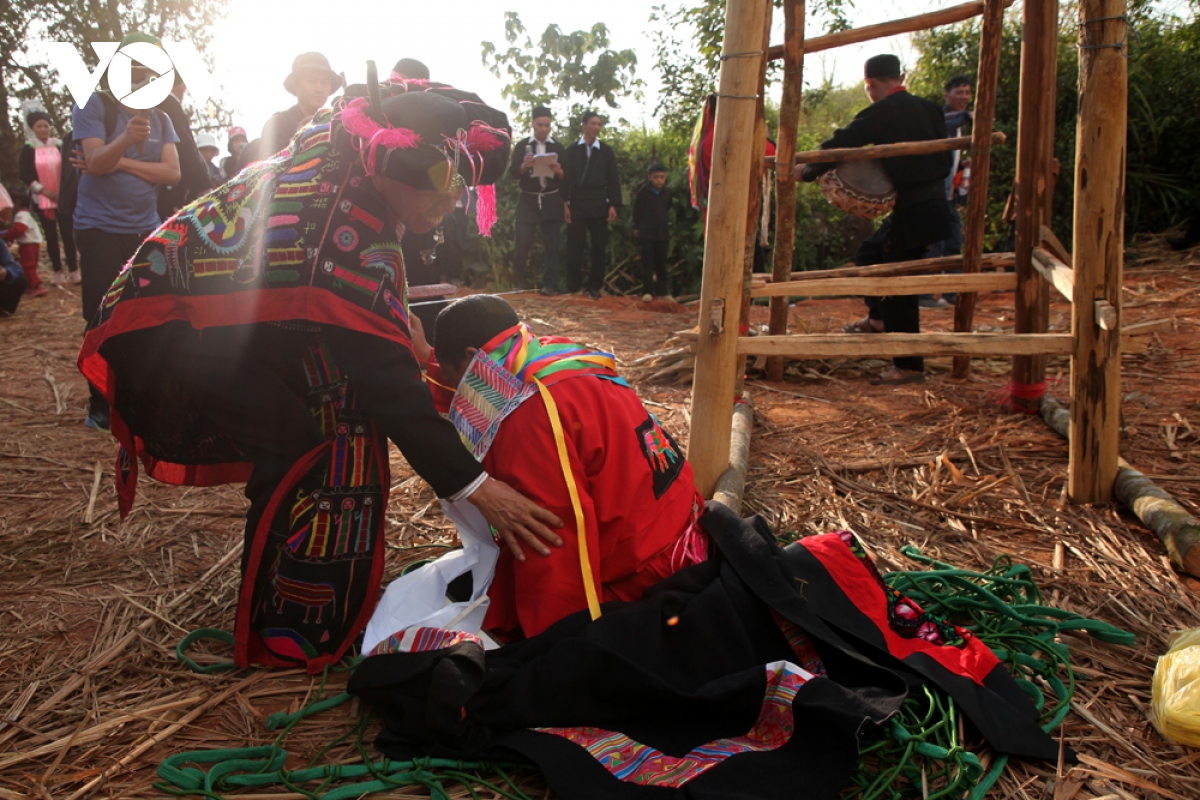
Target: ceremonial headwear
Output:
[(429, 136), (311, 61), (882, 66)]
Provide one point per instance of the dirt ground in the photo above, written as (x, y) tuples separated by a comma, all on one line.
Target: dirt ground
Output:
[(92, 697)]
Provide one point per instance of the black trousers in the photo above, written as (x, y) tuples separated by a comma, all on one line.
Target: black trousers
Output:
[(525, 234), (11, 290), (248, 397), (654, 266), (101, 256), (51, 227), (578, 232), (899, 313)]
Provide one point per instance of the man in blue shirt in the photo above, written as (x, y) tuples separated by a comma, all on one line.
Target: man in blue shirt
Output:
[(126, 156)]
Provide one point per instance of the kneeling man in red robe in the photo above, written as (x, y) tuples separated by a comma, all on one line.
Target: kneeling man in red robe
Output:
[(554, 420)]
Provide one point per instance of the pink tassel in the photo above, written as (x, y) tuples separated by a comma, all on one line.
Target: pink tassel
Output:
[(482, 138), (355, 120), (485, 212)]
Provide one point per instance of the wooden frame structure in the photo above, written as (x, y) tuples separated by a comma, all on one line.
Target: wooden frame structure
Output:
[(1091, 279)]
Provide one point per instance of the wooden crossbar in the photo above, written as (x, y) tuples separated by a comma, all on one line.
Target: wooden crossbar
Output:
[(889, 345), (840, 154), (920, 22), (924, 266), (896, 285), (1061, 276)]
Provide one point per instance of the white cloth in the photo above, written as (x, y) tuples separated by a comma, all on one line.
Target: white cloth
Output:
[(418, 599), (33, 234)]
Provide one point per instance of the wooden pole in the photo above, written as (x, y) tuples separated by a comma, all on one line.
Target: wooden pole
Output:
[(754, 211), (924, 266), (1035, 151), (920, 22), (785, 174), (1098, 249), (721, 290), (986, 84), (871, 151), (1178, 530)]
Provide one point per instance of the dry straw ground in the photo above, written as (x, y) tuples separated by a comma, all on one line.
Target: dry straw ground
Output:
[(92, 698)]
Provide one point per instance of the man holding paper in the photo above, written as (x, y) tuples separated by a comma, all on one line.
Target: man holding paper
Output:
[(537, 167)]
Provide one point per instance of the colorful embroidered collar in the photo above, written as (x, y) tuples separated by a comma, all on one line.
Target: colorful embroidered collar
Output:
[(548, 359)]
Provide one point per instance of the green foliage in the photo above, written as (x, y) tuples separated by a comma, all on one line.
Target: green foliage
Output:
[(574, 71), (1162, 175)]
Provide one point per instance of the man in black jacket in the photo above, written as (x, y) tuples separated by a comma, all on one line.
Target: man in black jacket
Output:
[(593, 195), (920, 216), (541, 202), (193, 172)]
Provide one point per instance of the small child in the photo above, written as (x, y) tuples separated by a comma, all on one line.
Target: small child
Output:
[(28, 236), (12, 283), (651, 227)]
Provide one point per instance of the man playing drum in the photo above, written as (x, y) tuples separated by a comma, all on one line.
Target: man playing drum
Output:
[(920, 216)]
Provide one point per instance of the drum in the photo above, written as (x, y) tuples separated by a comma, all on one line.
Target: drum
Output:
[(861, 188)]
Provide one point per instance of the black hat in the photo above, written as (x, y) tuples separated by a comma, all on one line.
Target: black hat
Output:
[(540, 111), (470, 321), (311, 61), (883, 66), (37, 115), (412, 69)]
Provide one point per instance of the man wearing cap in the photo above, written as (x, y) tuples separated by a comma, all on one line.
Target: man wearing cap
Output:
[(263, 335), (540, 204), (127, 156), (236, 141), (193, 174), (206, 143), (312, 82), (593, 195), (919, 217)]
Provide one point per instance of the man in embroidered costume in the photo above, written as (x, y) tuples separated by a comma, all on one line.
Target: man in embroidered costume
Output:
[(634, 501), (262, 334)]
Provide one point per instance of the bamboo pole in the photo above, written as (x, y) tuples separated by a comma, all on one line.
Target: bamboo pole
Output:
[(755, 209), (1035, 151), (721, 291), (920, 22), (873, 151), (785, 174), (1098, 249), (889, 345), (732, 483), (1178, 530), (986, 85)]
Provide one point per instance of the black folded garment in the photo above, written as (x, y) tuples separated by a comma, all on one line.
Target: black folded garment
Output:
[(751, 675)]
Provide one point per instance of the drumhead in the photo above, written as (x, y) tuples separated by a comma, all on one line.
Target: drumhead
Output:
[(862, 188)]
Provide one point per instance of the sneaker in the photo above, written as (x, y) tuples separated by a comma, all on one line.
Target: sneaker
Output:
[(38, 292), (646, 298), (76, 278), (594, 294), (546, 291), (932, 303), (58, 279)]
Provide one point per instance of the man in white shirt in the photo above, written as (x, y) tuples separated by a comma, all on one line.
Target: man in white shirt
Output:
[(540, 204)]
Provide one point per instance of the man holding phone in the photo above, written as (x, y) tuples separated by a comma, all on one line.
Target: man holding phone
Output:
[(124, 156)]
